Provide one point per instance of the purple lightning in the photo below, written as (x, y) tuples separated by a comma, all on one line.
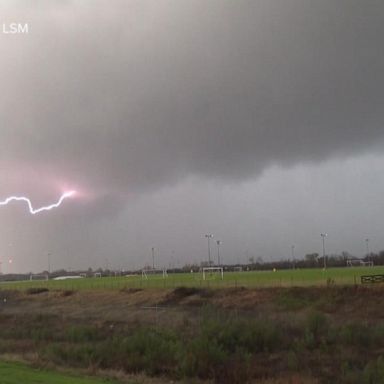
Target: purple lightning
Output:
[(41, 209)]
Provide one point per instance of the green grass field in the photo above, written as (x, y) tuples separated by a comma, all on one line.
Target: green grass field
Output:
[(16, 373), (283, 278)]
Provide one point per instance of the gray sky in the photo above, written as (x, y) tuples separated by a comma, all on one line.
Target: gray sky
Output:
[(258, 121)]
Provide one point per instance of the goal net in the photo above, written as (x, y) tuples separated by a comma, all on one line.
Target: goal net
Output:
[(213, 272), (145, 273), (359, 263), (40, 276)]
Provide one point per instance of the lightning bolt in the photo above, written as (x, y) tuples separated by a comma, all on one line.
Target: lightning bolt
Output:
[(33, 211)]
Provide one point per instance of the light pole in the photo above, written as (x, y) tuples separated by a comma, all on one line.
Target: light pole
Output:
[(218, 242), (293, 255), (49, 263), (153, 258), (324, 235), (209, 237), (367, 245)]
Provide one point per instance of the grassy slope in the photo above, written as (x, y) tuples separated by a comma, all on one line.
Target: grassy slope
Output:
[(16, 373), (335, 334)]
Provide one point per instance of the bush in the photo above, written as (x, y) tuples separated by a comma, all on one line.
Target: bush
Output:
[(222, 350), (41, 334), (36, 291), (374, 372), (203, 358), (156, 351), (149, 350), (356, 334), (316, 329), (253, 336), (73, 355), (83, 333)]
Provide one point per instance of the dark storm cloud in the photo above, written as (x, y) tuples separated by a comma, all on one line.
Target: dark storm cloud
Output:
[(123, 96)]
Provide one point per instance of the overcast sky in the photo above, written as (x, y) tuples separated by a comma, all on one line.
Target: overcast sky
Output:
[(259, 121)]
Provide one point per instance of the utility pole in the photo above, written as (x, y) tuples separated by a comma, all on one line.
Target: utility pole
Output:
[(153, 258), (293, 255)]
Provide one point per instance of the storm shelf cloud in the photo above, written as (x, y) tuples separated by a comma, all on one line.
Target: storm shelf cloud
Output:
[(133, 97)]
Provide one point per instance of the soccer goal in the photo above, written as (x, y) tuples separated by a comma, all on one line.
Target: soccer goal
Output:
[(40, 276), (149, 272), (359, 263), (213, 271)]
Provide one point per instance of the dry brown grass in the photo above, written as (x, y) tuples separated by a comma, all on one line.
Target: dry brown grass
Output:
[(179, 308)]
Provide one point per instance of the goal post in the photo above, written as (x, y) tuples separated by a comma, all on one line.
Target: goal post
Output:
[(359, 263), (206, 270), (38, 276), (149, 272)]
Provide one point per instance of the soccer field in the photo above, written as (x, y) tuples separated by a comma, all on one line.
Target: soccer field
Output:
[(283, 278)]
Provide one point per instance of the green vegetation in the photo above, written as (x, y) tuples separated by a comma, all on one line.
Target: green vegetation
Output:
[(16, 373), (279, 278), (221, 346), (332, 332)]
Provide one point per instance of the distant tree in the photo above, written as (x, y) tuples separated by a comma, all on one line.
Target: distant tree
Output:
[(259, 260), (312, 257), (338, 260), (311, 260), (346, 255), (378, 259)]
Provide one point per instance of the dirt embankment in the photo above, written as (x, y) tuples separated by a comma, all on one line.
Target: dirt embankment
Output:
[(360, 303)]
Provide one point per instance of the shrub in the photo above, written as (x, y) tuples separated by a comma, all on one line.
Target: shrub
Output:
[(378, 335), (36, 291), (356, 334), (251, 335), (73, 355), (374, 372), (350, 374), (186, 291), (41, 334), (316, 329), (149, 350), (203, 358), (82, 333)]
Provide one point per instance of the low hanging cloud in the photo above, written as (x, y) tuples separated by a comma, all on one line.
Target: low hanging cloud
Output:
[(117, 97)]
